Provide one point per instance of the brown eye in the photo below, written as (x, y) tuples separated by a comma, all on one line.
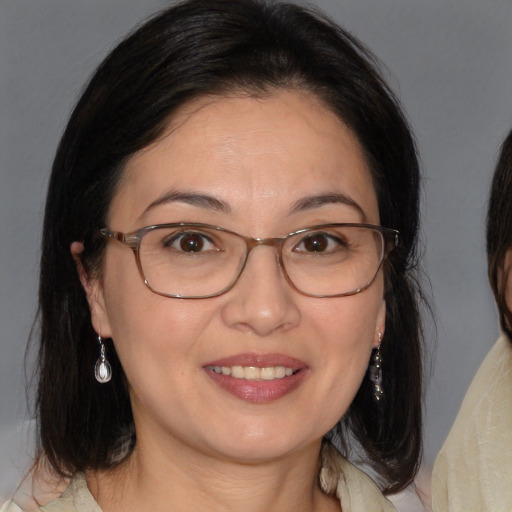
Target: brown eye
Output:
[(322, 243), (191, 242), (315, 243)]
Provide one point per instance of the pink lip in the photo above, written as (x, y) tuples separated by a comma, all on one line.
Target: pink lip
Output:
[(259, 360), (259, 391)]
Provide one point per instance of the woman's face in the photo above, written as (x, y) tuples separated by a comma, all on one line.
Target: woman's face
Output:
[(259, 159)]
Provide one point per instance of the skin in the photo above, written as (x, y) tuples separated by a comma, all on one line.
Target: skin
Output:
[(507, 263), (198, 446)]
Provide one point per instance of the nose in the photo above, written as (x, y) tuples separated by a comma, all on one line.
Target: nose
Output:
[(262, 301)]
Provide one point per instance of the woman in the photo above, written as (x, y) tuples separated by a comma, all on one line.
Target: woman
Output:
[(473, 471), (264, 327)]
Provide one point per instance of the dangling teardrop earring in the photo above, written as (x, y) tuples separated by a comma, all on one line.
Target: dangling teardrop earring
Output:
[(376, 373), (102, 368)]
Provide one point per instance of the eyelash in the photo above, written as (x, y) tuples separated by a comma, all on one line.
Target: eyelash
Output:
[(179, 237)]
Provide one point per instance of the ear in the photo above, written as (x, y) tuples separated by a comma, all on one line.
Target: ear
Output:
[(94, 292), (380, 325)]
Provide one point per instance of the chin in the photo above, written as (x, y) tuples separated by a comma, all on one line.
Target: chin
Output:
[(261, 446)]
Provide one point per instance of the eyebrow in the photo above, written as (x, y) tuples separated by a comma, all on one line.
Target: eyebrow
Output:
[(317, 201), (212, 203), (192, 198)]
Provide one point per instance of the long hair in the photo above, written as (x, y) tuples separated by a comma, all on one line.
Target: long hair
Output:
[(195, 48), (499, 234)]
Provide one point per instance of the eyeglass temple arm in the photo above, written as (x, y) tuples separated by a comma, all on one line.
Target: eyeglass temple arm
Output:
[(130, 239)]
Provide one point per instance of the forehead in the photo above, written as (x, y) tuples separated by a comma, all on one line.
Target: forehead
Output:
[(255, 154)]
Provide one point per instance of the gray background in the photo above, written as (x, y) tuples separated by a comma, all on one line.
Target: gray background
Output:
[(450, 63)]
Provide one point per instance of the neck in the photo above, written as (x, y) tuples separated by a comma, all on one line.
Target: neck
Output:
[(183, 479)]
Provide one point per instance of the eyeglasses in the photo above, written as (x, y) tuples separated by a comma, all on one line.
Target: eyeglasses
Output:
[(195, 261)]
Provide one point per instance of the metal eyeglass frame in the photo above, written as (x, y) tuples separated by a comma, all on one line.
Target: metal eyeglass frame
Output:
[(133, 239)]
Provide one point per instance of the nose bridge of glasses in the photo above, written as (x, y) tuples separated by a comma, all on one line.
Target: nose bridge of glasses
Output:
[(277, 243)]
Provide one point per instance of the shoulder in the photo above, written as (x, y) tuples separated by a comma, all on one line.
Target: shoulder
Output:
[(76, 498), (10, 506), (473, 466), (356, 491), (494, 372)]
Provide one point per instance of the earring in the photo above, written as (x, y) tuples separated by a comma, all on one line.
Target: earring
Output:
[(376, 373), (102, 368)]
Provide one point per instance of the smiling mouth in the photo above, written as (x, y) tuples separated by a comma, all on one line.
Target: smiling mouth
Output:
[(258, 378), (253, 372)]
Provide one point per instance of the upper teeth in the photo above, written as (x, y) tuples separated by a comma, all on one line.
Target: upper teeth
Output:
[(253, 372)]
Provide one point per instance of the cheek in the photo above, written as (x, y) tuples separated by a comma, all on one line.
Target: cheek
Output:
[(347, 332), (353, 320), (348, 345), (147, 327), (342, 336)]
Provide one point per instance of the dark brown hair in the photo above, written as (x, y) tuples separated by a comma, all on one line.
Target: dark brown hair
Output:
[(499, 233), (195, 48)]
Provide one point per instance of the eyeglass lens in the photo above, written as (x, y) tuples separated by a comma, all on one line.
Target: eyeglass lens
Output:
[(188, 261)]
